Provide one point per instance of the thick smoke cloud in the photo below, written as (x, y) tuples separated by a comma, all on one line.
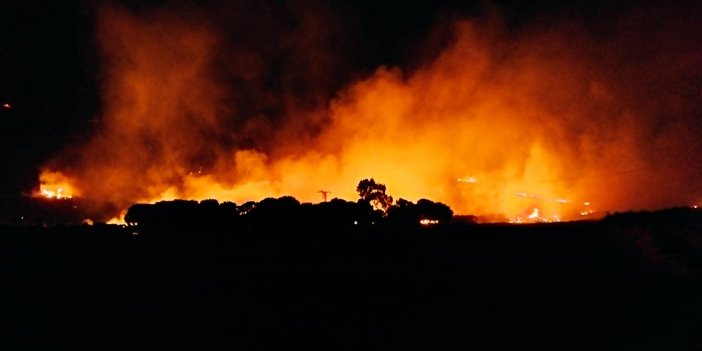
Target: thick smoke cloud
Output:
[(197, 104)]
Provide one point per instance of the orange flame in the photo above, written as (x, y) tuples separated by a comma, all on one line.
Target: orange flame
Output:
[(54, 185), (119, 219)]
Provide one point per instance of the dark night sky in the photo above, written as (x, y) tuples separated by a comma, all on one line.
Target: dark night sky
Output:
[(48, 72), (50, 67)]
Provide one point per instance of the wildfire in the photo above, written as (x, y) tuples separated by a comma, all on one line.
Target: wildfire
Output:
[(55, 194), (56, 186), (536, 216), (118, 220), (489, 117)]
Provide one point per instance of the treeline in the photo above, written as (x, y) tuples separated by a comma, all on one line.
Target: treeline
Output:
[(282, 213), (374, 207)]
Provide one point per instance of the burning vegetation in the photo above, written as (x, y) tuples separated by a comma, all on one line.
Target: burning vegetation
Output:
[(557, 110), (54, 185)]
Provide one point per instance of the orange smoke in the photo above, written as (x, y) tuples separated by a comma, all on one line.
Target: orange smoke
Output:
[(552, 113)]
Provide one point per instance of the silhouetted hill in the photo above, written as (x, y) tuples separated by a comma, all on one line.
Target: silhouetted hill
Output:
[(630, 281)]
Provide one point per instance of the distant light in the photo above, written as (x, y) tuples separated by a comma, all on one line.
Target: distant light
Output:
[(694, 206), (355, 222), (6, 106)]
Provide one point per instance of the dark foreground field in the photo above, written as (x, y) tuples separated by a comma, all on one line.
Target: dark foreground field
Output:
[(610, 285)]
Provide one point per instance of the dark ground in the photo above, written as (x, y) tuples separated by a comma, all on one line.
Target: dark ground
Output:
[(568, 286)]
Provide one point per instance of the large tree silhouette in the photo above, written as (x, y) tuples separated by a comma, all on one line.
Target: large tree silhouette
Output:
[(374, 193)]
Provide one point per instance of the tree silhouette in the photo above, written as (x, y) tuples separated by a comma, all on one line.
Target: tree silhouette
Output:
[(374, 193), (139, 214), (428, 209), (275, 213), (275, 217), (405, 212)]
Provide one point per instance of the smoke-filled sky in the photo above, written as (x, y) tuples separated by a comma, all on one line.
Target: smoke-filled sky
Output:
[(493, 108)]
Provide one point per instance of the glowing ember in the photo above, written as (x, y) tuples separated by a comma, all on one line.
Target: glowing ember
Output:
[(6, 106), (531, 196), (428, 221), (587, 211), (469, 180)]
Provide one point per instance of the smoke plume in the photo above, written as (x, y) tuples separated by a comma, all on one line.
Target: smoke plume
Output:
[(502, 120)]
